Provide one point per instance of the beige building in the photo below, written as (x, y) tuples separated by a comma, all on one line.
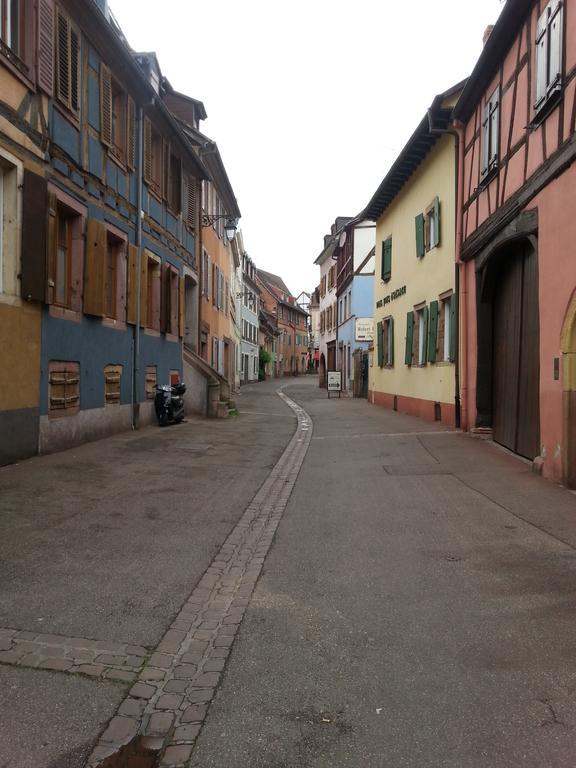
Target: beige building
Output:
[(413, 363)]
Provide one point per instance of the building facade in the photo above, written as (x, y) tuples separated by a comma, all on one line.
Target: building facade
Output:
[(328, 302), (109, 282), (413, 369), (355, 263), (250, 308), (291, 321), (518, 275)]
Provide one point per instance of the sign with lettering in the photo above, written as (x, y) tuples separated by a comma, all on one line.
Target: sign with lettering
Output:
[(391, 297), (364, 329), (334, 381)]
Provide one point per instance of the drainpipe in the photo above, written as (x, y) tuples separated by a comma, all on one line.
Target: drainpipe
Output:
[(136, 358), (456, 130)]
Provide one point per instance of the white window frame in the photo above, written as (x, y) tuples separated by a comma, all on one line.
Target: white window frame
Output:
[(491, 134), (421, 335), (549, 46)]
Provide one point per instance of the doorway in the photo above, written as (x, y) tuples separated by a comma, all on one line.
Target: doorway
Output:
[(516, 349), (569, 395)]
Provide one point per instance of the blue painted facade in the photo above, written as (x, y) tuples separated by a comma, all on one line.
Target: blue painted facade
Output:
[(362, 289), (82, 169)]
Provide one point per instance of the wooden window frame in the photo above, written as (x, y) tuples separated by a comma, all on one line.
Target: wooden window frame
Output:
[(491, 136), (547, 91)]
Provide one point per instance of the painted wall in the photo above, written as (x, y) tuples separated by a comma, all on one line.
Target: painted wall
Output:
[(526, 150), (425, 279)]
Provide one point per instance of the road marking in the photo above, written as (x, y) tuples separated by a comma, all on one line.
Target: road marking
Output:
[(365, 435), (165, 709)]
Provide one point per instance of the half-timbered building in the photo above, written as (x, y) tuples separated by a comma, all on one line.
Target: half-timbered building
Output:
[(517, 187)]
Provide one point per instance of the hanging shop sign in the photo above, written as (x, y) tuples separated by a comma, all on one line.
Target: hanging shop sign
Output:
[(364, 330)]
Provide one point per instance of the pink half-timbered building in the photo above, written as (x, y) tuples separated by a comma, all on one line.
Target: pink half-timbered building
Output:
[(517, 238)]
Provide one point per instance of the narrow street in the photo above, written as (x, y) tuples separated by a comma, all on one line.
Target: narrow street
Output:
[(312, 584)]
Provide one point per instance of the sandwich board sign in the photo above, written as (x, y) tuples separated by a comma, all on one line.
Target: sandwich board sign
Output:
[(334, 382)]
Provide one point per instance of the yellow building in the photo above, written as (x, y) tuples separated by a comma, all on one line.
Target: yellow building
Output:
[(413, 364), (23, 142)]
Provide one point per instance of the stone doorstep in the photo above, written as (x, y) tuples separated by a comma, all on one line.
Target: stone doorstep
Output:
[(190, 662)]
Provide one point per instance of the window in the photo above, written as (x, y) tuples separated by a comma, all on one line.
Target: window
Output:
[(63, 389), (214, 359), (115, 264), (386, 266), (190, 202), (491, 134), (548, 53), (112, 380), (150, 313), (421, 336), (385, 342), (62, 266), (67, 63), (443, 315), (206, 274), (151, 379), (12, 26)]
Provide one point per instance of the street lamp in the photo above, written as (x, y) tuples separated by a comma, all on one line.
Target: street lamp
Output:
[(230, 225)]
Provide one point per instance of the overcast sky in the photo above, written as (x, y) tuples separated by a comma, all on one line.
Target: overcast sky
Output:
[(310, 101)]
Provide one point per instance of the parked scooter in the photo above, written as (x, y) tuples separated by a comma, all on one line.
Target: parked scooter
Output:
[(169, 403)]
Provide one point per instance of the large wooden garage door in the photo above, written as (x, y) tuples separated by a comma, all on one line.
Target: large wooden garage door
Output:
[(516, 415)]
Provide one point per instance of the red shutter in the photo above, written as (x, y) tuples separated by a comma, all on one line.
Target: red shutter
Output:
[(105, 105), (45, 62), (63, 60)]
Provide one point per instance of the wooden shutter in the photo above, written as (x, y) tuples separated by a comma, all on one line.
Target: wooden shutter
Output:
[(52, 246), (380, 337), (132, 283), (190, 202), (424, 355), (74, 70), (144, 319), (436, 222), (391, 341), (34, 266), (214, 284), (45, 46), (409, 337), (147, 150), (386, 271), (453, 326), (130, 133), (105, 105), (181, 307), (174, 288), (94, 273), (165, 299), (432, 331), (76, 264), (419, 223), (165, 169), (62, 59)]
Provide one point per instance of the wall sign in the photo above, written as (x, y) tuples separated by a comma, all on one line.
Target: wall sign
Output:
[(391, 297), (364, 330)]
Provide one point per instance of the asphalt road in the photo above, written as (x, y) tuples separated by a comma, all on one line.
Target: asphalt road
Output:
[(417, 609)]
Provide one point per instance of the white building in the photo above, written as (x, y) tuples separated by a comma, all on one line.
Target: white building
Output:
[(328, 304), (249, 309)]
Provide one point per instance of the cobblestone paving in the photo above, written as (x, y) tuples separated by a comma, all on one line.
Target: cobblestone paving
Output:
[(95, 658), (167, 705)]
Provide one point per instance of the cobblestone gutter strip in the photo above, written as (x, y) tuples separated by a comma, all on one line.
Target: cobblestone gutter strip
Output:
[(164, 710), (95, 658)]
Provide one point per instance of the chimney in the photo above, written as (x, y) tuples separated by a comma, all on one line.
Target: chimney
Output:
[(487, 33)]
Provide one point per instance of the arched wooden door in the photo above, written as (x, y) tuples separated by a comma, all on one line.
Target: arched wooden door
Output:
[(516, 351), (569, 395)]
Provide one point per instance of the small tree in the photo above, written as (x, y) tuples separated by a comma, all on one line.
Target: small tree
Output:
[(265, 358)]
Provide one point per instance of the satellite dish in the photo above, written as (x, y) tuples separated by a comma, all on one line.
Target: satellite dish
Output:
[(342, 239)]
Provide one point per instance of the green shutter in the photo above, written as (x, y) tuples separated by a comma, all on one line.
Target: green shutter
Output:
[(380, 334), (386, 271), (419, 221), (391, 352), (425, 314), (409, 337), (453, 326), (436, 222), (432, 331)]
